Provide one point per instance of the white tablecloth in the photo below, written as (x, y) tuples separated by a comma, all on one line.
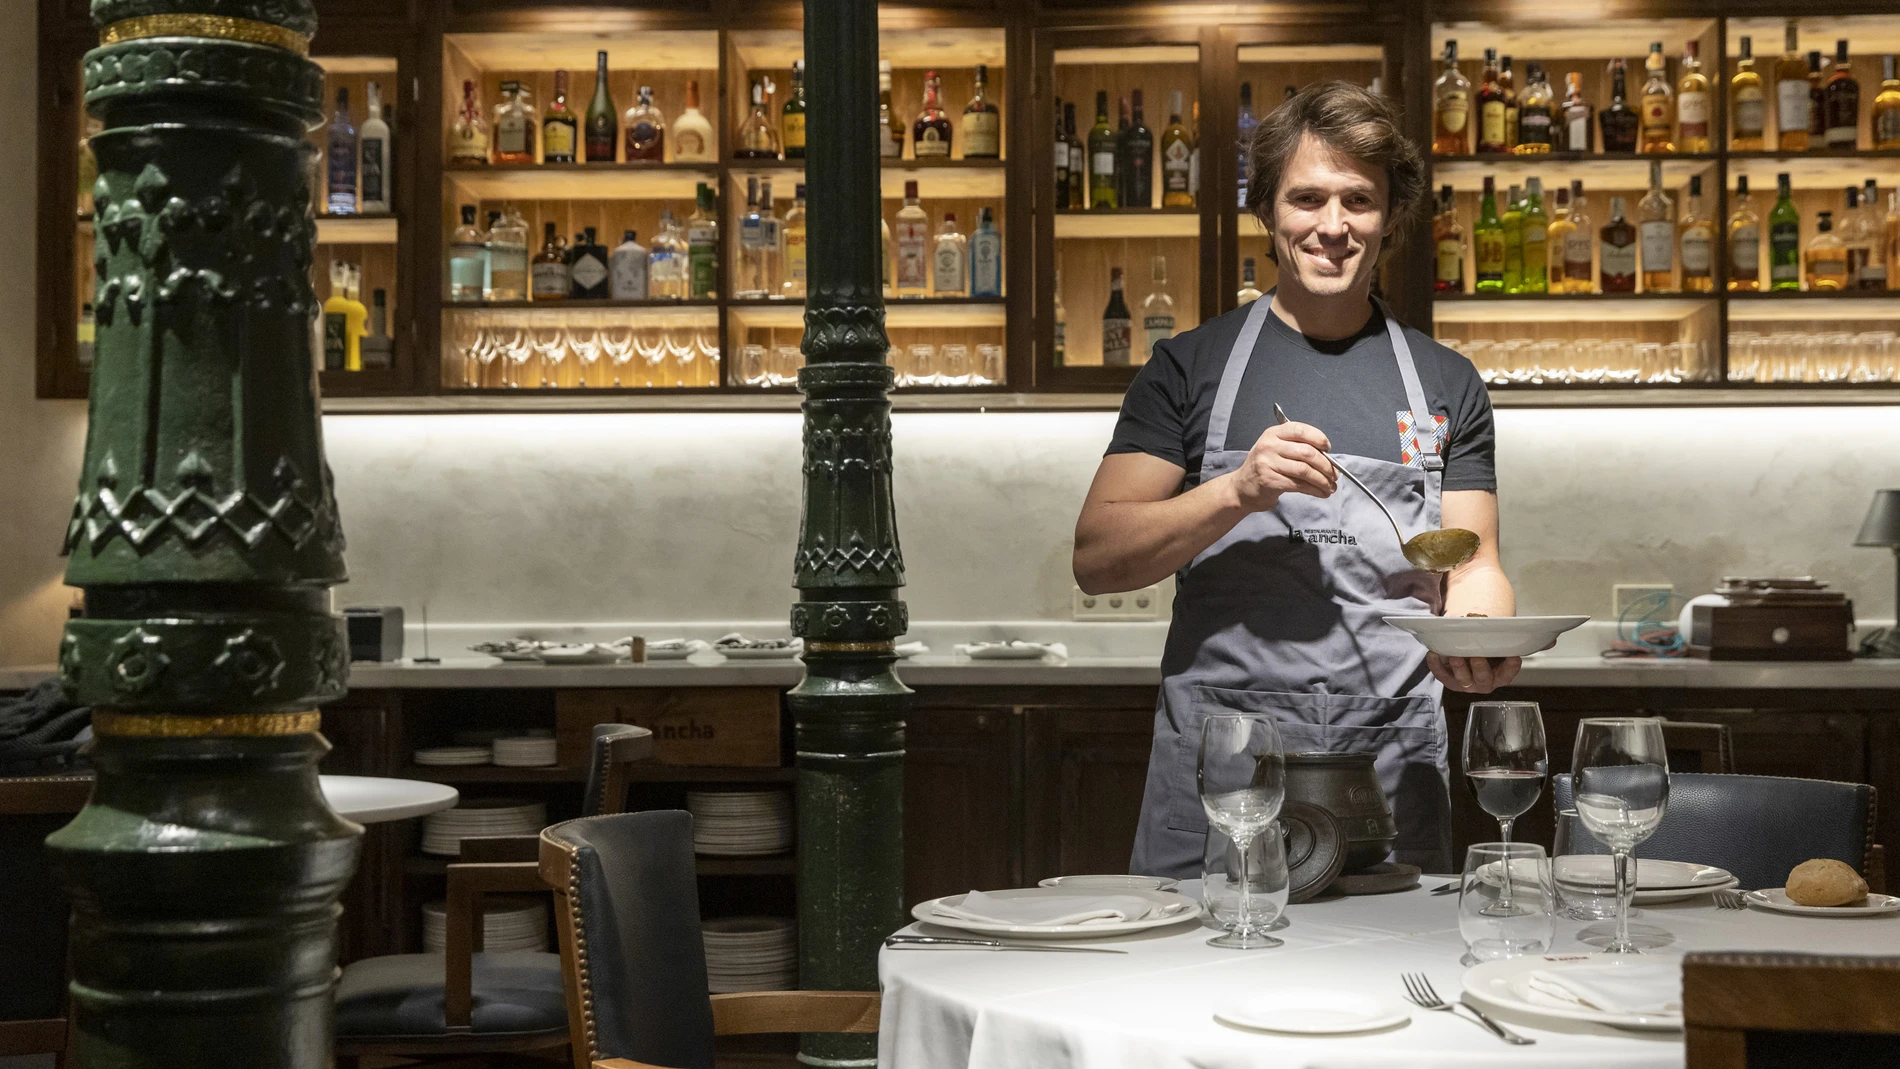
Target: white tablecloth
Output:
[(1153, 1007)]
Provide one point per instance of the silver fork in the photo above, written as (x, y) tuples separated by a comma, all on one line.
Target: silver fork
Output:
[(1420, 992), (1730, 899)]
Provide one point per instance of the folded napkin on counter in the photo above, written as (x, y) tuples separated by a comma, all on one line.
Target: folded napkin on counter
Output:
[(1610, 987), (733, 640), (1013, 649), (1054, 909), (911, 649), (691, 645)]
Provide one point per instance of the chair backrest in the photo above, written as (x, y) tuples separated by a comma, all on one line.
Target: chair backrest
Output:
[(1757, 827), (615, 747), (627, 905), (1789, 1011), (35, 908)]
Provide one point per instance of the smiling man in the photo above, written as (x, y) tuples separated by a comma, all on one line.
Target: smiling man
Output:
[(1283, 575)]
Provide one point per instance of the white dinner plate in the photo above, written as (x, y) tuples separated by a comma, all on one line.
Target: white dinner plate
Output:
[(1598, 871), (760, 653), (1316, 1012), (370, 799), (1486, 636), (1498, 985), (1006, 652), (1776, 898), (581, 655), (1177, 908), (1111, 883)]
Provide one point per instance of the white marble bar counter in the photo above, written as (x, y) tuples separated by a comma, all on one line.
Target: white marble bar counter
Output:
[(938, 670)]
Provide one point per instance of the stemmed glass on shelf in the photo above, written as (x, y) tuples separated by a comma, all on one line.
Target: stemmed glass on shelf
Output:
[(616, 336), (1242, 776), (509, 336), (680, 351), (583, 340), (649, 341), (1620, 781), (547, 332), (467, 336)]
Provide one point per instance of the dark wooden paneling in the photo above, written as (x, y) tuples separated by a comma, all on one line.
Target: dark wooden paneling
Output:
[(1084, 774), (960, 801)]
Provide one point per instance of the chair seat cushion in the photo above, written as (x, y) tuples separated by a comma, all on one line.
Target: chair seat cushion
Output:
[(400, 996)]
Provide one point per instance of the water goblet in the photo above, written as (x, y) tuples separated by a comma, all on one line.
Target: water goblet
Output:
[(1242, 778), (1505, 764), (583, 340), (680, 351), (923, 365), (1620, 775), (649, 343), (1505, 901), (616, 337), (547, 332), (465, 339)]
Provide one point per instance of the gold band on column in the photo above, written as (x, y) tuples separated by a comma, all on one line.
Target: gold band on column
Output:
[(885, 646), (222, 27), (187, 727)]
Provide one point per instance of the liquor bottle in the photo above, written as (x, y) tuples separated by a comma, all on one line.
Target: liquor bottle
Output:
[(1656, 229), (468, 141), (1194, 154), (1062, 162), (1579, 133), (1579, 248), (793, 288), (1103, 188), (1873, 273), (1618, 121), (771, 230), (1249, 288), (1784, 239), (603, 121), (1692, 104), (488, 255), (342, 159), (646, 130), (1747, 109), (668, 273), (587, 268), (1886, 114), (1855, 236), (1512, 222), (758, 138), (1448, 239), (1117, 324), (1488, 236), (890, 142), (1841, 101), (791, 122), (373, 147), (692, 132), (912, 239), (88, 334), (1534, 112), (1536, 265), (547, 275), (930, 135), (1658, 109), (1121, 156), (1243, 140), (628, 269), (514, 126), (1562, 227), (1507, 84), (1791, 97), (986, 257), (356, 321), (982, 123), (507, 278), (949, 260), (1138, 155), (1451, 107), (1616, 255), (1817, 104), (1890, 235), (1491, 107), (1157, 311), (560, 131), (336, 336), (702, 246), (884, 268), (468, 259), (88, 166), (752, 281), (1744, 243), (377, 347), (1695, 236), (1826, 256), (1176, 157), (1062, 325), (1078, 160)]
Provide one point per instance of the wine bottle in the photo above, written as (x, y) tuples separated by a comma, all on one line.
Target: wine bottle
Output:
[(603, 123)]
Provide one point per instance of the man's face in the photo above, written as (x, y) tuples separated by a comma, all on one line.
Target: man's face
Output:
[(1329, 219)]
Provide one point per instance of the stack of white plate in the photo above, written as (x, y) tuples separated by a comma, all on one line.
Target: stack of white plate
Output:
[(509, 922), (525, 751), (751, 954), (442, 832), (740, 823), (453, 755)]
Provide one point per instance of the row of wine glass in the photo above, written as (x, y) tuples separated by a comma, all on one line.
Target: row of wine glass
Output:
[(557, 350), (1611, 361)]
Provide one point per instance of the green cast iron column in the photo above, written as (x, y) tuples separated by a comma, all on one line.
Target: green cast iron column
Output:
[(849, 708), (206, 867)]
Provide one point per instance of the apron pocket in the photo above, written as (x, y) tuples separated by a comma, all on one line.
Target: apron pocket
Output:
[(1295, 714)]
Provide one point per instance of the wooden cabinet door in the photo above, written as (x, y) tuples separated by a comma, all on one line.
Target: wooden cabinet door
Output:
[(1793, 742), (1084, 773), (961, 830)]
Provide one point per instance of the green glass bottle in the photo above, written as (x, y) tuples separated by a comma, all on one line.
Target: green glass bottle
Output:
[(1513, 225), (1536, 234), (792, 119), (603, 122), (1488, 236), (1103, 190), (1784, 239), (702, 248)]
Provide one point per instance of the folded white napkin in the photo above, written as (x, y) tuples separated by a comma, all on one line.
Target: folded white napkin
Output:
[(690, 644), (911, 649), (1015, 647), (1049, 909), (1610, 987)]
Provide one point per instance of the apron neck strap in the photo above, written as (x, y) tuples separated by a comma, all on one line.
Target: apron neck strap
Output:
[(1423, 426)]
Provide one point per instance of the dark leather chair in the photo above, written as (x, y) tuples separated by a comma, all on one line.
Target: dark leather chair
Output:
[(616, 748), (35, 909), (1757, 827), (1790, 1011), (627, 906)]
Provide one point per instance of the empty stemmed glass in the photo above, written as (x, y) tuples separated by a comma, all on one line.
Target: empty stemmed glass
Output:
[(548, 334), (1505, 764), (706, 345), (465, 337), (508, 334), (649, 340), (680, 351), (616, 336), (1620, 778), (1242, 775), (583, 340)]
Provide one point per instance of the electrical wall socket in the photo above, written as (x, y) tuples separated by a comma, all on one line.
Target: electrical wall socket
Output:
[(1623, 595), (1133, 605)]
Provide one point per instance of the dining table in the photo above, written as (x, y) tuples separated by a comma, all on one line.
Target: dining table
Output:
[(1153, 1006)]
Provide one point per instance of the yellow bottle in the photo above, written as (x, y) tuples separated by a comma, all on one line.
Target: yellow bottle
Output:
[(356, 319)]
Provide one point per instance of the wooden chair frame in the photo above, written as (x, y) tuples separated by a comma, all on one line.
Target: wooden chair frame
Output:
[(1725, 996), (620, 752), (41, 796)]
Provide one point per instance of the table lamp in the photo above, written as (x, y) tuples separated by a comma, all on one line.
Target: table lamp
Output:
[(1882, 528)]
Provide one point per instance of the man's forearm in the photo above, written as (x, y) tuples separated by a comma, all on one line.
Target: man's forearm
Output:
[(1126, 545), (1479, 588)]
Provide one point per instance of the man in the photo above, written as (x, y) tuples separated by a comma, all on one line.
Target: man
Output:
[(1283, 575)]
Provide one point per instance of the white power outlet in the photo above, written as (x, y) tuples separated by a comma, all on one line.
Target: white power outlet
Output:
[(1623, 595), (1133, 605)]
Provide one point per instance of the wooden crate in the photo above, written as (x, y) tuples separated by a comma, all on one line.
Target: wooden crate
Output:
[(719, 726)]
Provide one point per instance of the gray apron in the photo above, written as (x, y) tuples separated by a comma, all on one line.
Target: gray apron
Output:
[(1282, 616)]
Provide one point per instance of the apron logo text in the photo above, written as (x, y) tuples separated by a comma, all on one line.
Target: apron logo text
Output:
[(1323, 536)]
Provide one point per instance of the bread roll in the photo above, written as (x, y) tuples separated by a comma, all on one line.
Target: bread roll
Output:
[(1825, 882)]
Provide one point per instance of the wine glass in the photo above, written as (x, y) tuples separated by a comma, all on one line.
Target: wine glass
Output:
[(1620, 775), (548, 335), (583, 340), (616, 336), (649, 340), (955, 363), (1505, 764), (511, 340), (465, 337), (706, 343), (680, 351), (1242, 776)]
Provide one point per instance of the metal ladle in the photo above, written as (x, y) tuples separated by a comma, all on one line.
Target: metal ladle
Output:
[(1438, 550)]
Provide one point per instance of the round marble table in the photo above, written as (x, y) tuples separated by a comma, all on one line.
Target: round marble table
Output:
[(373, 799)]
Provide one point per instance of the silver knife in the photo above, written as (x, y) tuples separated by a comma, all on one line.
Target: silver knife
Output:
[(901, 942)]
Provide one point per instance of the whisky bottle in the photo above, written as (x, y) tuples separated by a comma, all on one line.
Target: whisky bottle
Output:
[(1104, 189), (468, 141), (1507, 84), (560, 131), (629, 269), (930, 136), (1784, 239), (1117, 324), (547, 275), (1061, 341), (1243, 140), (1826, 256), (1512, 222), (1744, 243), (336, 307), (949, 260), (468, 259), (341, 149), (1534, 112), (1873, 273), (373, 146), (1448, 239), (1061, 157), (791, 123), (587, 269), (1491, 136), (1249, 288), (758, 138), (982, 123), (702, 246), (1078, 160), (1817, 104), (1695, 237), (890, 142), (986, 257), (793, 288), (1488, 237), (1138, 159), (1748, 111), (378, 347), (1579, 133), (1536, 224), (1692, 104), (646, 130), (1616, 252), (1176, 159), (692, 133), (603, 122), (752, 282), (1658, 104), (1451, 107), (1619, 122), (1656, 229), (1841, 102), (1886, 115), (1856, 237), (514, 126), (1157, 310), (912, 239), (507, 278), (1579, 248), (1791, 97), (1562, 228)]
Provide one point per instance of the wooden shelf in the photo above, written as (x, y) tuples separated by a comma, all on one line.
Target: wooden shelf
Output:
[(581, 181), (1557, 33), (628, 48), (356, 64), (1130, 223), (1466, 174), (1866, 35), (1839, 305), (1567, 307), (356, 229), (1816, 170), (952, 179), (900, 312), (1313, 53), (658, 307), (1130, 54)]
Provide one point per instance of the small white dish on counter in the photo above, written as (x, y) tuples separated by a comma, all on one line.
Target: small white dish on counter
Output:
[(1111, 883), (585, 653), (675, 649), (1013, 650), (1316, 1012), (1776, 899), (1486, 636)]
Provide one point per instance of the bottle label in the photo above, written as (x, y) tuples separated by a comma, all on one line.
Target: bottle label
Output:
[(932, 143), (1510, 124), (1887, 127), (1062, 342), (793, 127), (703, 264), (1453, 110), (1872, 277), (643, 141), (1830, 268), (912, 263), (1104, 163), (336, 341), (1579, 136), (1115, 341), (1078, 162), (1451, 262), (1843, 136), (1618, 261), (1692, 114), (373, 169), (1535, 234), (343, 176), (1533, 126), (1490, 255), (465, 273), (947, 268), (1697, 249), (795, 254), (1659, 245), (1062, 158), (666, 272), (981, 133), (1174, 167), (1784, 248), (1158, 329), (588, 272), (752, 233), (688, 144), (511, 135), (1491, 124), (1576, 254), (470, 144), (892, 143), (1791, 99), (1744, 246), (548, 280), (1750, 112), (630, 275), (557, 139), (1655, 116), (986, 266)]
